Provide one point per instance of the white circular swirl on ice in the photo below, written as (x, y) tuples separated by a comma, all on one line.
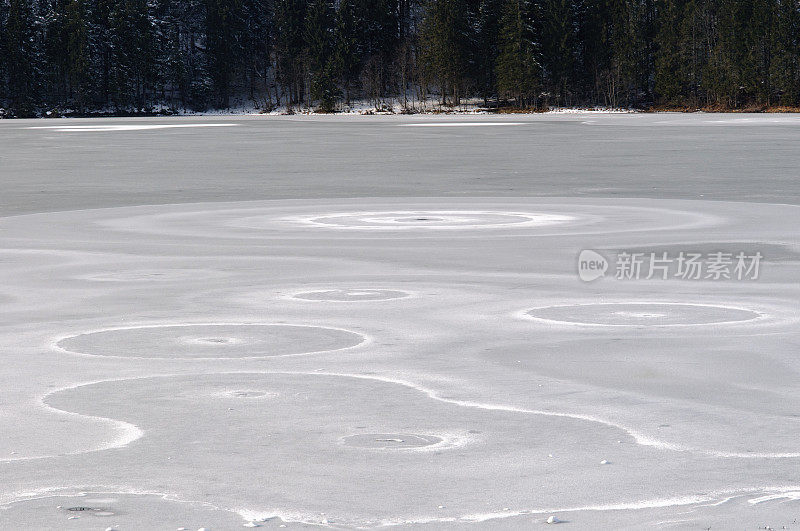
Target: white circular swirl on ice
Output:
[(152, 275), (391, 441), (642, 314), (423, 218), (350, 295), (427, 220), (210, 341)]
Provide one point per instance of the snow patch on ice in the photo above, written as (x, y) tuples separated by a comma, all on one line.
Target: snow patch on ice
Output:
[(100, 128), (459, 124)]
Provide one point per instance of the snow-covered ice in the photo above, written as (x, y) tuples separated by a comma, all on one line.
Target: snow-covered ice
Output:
[(335, 321)]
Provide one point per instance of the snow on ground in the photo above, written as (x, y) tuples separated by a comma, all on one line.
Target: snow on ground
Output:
[(431, 362)]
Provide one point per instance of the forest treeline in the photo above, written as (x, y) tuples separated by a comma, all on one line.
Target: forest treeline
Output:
[(138, 55)]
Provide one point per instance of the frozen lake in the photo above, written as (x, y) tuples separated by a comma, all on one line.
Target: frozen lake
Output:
[(358, 322)]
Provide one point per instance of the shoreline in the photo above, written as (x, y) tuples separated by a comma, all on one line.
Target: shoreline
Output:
[(363, 109)]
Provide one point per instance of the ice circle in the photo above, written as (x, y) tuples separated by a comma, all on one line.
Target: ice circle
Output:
[(246, 394), (211, 341), (351, 295), (390, 441), (641, 314), (69, 508), (422, 218), (153, 275), (429, 220), (93, 511)]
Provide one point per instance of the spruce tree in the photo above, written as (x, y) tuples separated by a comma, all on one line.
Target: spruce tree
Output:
[(254, 43), (77, 47), (728, 62), (378, 41), (289, 16), (518, 64), (668, 82), (558, 47), (3, 55), (319, 31), (223, 35), (21, 59), (444, 47), (697, 35), (625, 52), (132, 54), (346, 52), (484, 53), (594, 50), (786, 66), (761, 50)]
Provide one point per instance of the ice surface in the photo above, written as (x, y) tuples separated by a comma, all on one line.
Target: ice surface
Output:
[(389, 329)]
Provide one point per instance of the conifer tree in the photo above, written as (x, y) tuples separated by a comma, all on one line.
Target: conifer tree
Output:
[(518, 64), (786, 66), (3, 55), (625, 53), (761, 50), (77, 48), (728, 63), (444, 45), (558, 47), (484, 51), (289, 17), (132, 61), (669, 85), (21, 59), (319, 31), (223, 38), (346, 53), (379, 38), (254, 44), (594, 52), (697, 35)]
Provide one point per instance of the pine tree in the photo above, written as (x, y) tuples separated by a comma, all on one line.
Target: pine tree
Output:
[(378, 42), (21, 59), (132, 54), (77, 46), (319, 40), (761, 51), (594, 51), (518, 65), (255, 45), (223, 35), (786, 66), (289, 16), (558, 47), (669, 85), (3, 56), (182, 66), (626, 60), (444, 46), (345, 54), (728, 62), (485, 51), (697, 35)]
